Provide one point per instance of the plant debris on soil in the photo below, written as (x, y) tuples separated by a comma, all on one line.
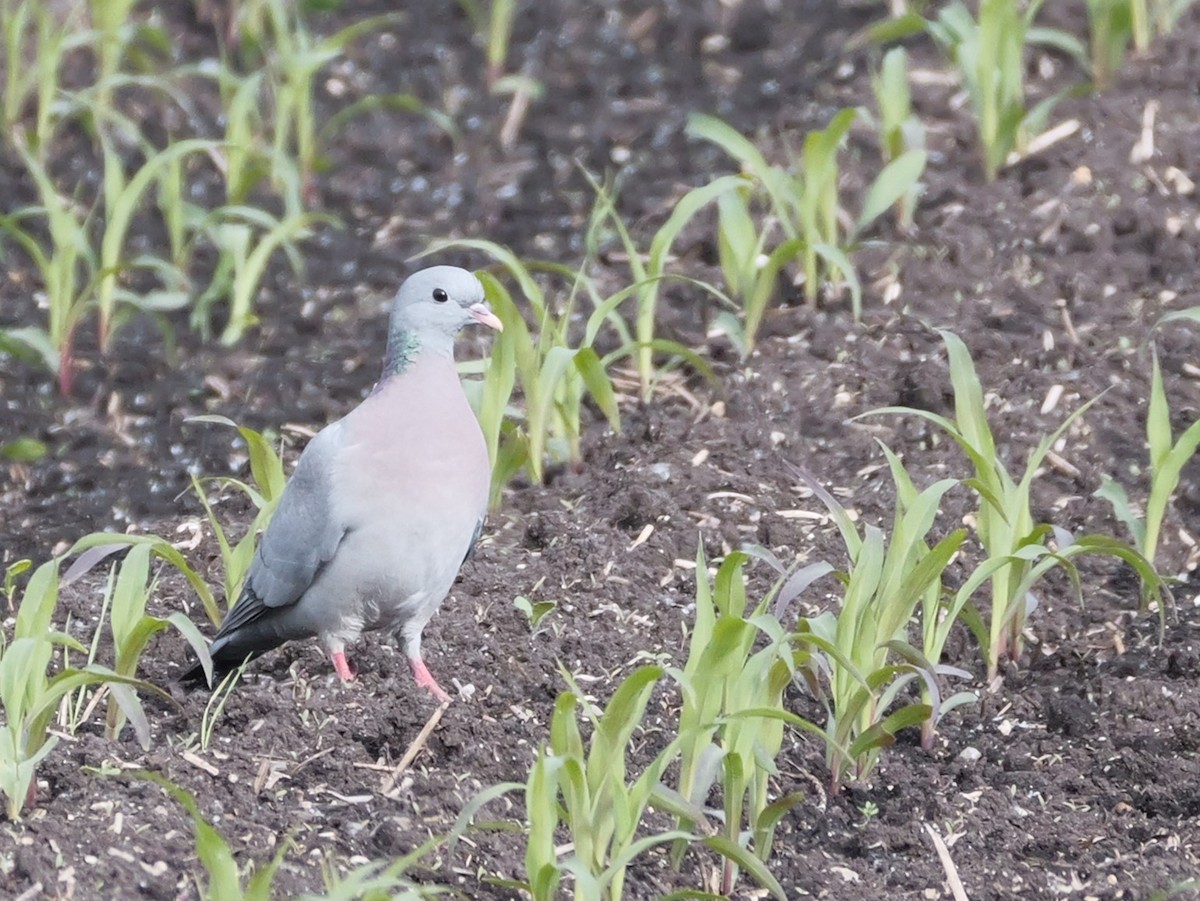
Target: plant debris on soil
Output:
[(1077, 776)]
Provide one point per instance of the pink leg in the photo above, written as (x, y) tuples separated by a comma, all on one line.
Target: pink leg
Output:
[(341, 666), (425, 679)]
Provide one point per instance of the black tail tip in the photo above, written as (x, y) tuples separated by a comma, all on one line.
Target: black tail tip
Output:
[(196, 678)]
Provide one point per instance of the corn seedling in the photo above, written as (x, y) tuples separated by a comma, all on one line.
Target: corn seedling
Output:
[(647, 272), (1110, 29), (380, 880), (30, 696), (224, 880), (939, 610), (807, 204), (111, 21), (132, 628), (12, 573), (216, 703), (76, 708), (266, 470), (99, 545), (67, 266), (600, 811), (122, 200), (297, 57), (583, 790), (243, 126), (248, 154), (534, 611), (1017, 551), (1167, 459), (124, 610), (493, 22), (246, 238), (35, 45), (861, 657), (989, 54), (732, 720), (899, 128), (177, 214), (751, 275), (553, 376), (1163, 15), (23, 449)]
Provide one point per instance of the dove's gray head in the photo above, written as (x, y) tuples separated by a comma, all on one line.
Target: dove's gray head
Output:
[(430, 308)]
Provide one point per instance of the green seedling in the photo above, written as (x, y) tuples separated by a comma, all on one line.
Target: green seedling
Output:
[(177, 214), (899, 128), (67, 266), (30, 696), (216, 703), (245, 157), (1168, 457), (502, 14), (989, 53), (124, 610), (246, 238), (224, 880), (493, 22), (583, 790), (297, 55), (807, 203), (751, 275), (248, 154), (122, 201), (12, 573), (35, 44), (1162, 17), (268, 479), (76, 708), (99, 545), (647, 272), (114, 28), (732, 720), (1018, 551), (1111, 26), (132, 628), (534, 611), (23, 450), (861, 657), (939, 612), (380, 880), (1191, 314)]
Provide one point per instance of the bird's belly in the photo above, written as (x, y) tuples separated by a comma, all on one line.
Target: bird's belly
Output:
[(399, 572)]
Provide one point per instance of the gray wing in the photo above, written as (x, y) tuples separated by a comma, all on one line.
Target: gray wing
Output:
[(301, 538), (474, 539)]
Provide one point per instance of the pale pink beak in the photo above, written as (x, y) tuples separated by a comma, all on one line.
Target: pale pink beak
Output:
[(484, 316)]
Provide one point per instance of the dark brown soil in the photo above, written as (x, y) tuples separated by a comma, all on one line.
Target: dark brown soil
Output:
[(1079, 776)]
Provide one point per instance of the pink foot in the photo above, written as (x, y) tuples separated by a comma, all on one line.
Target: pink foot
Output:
[(425, 679), (340, 666)]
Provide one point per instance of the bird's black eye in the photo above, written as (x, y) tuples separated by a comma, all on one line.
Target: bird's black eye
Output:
[(440, 296)]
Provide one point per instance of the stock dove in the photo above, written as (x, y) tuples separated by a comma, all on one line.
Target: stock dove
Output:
[(385, 504)]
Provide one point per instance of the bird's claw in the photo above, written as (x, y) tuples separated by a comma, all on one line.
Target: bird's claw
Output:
[(424, 678)]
